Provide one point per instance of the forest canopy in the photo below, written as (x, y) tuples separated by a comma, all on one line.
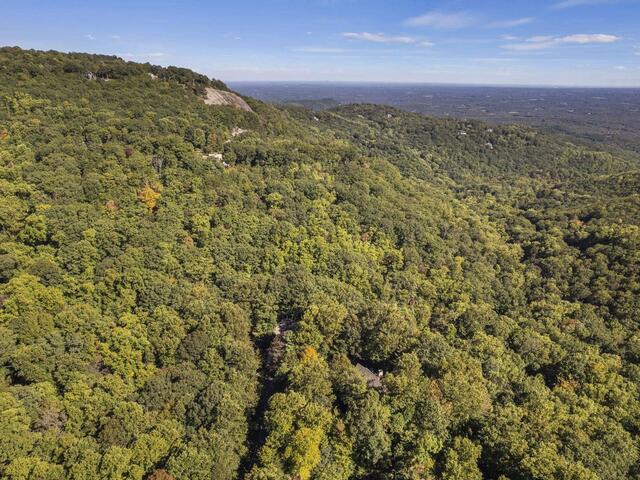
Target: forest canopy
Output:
[(198, 292)]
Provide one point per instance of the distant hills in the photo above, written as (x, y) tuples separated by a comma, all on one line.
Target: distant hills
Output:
[(596, 114)]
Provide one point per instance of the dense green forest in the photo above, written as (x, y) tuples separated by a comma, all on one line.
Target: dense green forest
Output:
[(197, 292)]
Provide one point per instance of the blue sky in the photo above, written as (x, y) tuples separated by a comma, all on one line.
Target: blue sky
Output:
[(543, 42)]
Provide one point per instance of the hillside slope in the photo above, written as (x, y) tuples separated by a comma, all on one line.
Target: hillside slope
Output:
[(197, 291)]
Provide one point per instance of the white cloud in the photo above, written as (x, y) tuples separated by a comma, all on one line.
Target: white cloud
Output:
[(115, 37), (620, 67), (511, 23), (379, 38), (89, 37), (583, 38), (544, 42), (580, 3), (540, 38), (510, 38), (382, 38), (442, 20)]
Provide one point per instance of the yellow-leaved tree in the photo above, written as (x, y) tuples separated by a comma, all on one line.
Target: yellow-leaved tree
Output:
[(149, 196)]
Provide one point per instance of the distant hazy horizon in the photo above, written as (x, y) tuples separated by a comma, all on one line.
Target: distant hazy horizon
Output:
[(382, 83)]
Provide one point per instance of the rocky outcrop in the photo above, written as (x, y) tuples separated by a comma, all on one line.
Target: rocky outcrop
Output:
[(213, 96)]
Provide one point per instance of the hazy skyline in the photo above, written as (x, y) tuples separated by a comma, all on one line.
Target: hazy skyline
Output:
[(555, 42)]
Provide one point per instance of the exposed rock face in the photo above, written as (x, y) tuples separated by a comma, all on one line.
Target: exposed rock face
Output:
[(214, 96), (236, 131)]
